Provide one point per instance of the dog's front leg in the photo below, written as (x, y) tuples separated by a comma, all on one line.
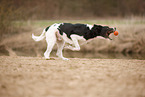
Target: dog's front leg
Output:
[(72, 48)]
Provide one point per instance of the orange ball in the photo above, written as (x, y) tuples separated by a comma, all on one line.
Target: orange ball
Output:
[(115, 33)]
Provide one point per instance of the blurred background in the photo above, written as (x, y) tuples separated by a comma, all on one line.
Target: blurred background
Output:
[(20, 18)]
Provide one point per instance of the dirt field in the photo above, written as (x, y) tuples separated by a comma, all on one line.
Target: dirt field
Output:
[(78, 77)]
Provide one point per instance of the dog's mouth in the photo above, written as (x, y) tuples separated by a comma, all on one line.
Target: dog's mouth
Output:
[(108, 33)]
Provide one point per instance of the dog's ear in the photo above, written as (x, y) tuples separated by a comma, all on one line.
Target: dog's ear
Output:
[(98, 28)]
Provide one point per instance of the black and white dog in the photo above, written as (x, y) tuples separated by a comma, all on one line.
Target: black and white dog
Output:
[(70, 33)]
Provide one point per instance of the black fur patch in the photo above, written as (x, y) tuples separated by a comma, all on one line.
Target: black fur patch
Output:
[(69, 29), (83, 30), (47, 28)]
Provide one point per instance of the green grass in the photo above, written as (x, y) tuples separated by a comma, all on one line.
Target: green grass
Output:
[(45, 23)]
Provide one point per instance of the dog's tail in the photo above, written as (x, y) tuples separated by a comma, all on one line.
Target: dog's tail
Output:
[(41, 37)]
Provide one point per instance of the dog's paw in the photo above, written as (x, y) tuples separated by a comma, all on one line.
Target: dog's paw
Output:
[(68, 47), (66, 59), (48, 58), (76, 49)]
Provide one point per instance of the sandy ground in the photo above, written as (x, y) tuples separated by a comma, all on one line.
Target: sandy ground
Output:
[(78, 77)]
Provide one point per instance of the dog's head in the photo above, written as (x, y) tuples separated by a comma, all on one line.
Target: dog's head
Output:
[(103, 31)]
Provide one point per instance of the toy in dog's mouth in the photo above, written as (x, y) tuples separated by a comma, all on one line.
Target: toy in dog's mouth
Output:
[(116, 33)]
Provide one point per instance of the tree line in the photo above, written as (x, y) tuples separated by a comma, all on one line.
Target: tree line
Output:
[(53, 9)]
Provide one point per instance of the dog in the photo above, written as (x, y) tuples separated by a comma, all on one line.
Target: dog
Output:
[(61, 33)]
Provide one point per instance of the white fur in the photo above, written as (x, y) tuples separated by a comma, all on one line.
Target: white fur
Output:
[(38, 38), (100, 37), (66, 39), (52, 36), (90, 26)]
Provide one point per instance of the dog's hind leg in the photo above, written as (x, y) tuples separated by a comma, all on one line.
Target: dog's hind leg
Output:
[(51, 40), (49, 49), (60, 45)]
